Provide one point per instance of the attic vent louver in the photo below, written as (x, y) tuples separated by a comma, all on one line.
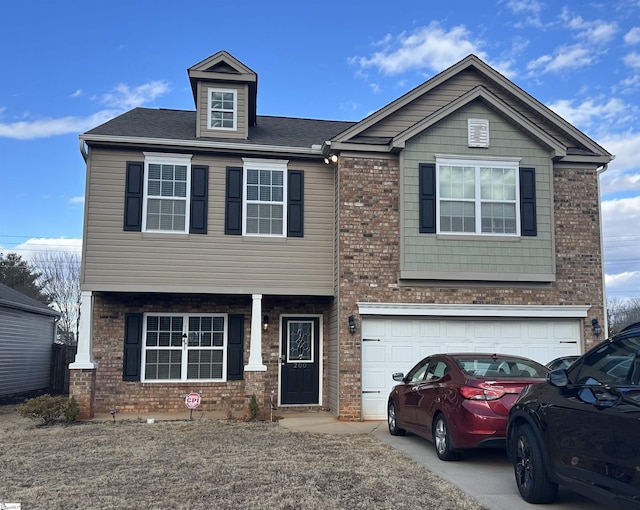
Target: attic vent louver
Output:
[(478, 132)]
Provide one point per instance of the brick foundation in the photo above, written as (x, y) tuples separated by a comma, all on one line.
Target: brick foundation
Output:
[(82, 384)]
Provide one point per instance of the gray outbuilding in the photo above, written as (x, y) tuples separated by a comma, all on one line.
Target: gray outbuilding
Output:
[(27, 333)]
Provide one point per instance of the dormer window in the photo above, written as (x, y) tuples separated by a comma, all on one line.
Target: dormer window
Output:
[(223, 109)]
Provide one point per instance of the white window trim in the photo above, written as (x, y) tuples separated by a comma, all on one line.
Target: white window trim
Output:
[(509, 163), (167, 159), (185, 348), (235, 109), (265, 164)]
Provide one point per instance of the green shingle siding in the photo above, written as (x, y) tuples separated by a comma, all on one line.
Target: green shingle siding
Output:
[(428, 252)]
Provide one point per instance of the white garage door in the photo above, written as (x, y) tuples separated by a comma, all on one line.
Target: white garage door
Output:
[(395, 345)]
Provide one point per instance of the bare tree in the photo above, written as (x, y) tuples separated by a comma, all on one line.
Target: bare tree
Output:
[(622, 312), (60, 280)]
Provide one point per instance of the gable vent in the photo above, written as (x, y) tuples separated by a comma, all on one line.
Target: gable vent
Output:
[(478, 132)]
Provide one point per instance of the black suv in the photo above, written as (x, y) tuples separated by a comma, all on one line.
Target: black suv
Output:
[(581, 428)]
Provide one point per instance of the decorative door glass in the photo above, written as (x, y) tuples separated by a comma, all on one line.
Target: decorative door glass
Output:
[(300, 342)]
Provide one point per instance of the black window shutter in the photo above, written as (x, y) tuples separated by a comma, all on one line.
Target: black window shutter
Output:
[(295, 204), (528, 223), (133, 196), (132, 347), (427, 198), (235, 348), (233, 206), (199, 199)]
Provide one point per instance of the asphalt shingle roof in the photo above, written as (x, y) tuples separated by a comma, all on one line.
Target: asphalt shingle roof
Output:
[(11, 297), (181, 125)]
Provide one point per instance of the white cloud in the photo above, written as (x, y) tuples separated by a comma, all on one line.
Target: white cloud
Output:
[(566, 57), (621, 245), (624, 171), (122, 98), (590, 111), (632, 60), (77, 200), (29, 248), (632, 36), (431, 47)]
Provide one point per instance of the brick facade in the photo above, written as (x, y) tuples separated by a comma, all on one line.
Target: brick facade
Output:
[(98, 390), (369, 258)]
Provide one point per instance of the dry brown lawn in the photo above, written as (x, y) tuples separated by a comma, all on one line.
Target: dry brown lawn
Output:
[(208, 464)]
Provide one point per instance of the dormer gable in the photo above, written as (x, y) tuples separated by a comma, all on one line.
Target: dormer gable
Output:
[(225, 95)]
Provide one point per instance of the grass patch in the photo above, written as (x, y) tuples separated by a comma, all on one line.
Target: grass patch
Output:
[(204, 464)]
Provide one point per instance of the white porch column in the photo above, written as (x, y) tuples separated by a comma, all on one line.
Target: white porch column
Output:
[(255, 347), (84, 357)]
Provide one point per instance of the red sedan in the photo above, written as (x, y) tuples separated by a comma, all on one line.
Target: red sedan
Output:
[(460, 401)]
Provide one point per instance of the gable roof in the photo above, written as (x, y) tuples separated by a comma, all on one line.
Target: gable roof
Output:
[(585, 146), (11, 298), (223, 67)]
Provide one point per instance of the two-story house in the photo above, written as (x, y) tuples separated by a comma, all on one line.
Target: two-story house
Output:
[(304, 261)]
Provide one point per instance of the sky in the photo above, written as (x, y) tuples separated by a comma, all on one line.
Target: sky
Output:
[(68, 66)]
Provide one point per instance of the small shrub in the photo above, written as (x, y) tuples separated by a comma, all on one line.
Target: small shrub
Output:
[(48, 409), (254, 408), (71, 411)]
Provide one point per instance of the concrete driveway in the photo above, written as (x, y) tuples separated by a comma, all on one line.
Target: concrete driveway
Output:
[(484, 474)]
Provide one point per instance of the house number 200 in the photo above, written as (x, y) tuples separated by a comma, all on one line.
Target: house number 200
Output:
[(298, 365)]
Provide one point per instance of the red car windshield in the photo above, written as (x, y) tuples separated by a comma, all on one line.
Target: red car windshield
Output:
[(505, 368)]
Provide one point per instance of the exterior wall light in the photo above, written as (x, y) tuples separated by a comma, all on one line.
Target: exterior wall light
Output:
[(265, 323), (596, 327), (352, 324), (331, 158)]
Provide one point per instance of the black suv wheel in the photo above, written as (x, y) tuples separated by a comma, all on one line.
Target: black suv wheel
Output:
[(531, 476)]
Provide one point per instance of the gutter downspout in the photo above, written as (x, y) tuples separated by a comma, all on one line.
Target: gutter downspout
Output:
[(83, 150), (599, 172)]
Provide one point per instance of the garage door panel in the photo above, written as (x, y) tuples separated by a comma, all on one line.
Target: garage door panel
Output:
[(399, 343)]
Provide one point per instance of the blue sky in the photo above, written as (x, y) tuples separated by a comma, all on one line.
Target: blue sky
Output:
[(68, 66)]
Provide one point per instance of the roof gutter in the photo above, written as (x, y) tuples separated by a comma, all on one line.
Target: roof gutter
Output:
[(201, 144)]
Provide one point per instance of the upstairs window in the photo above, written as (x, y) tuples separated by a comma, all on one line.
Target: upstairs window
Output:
[(166, 193), (478, 197), (265, 192), (223, 108)]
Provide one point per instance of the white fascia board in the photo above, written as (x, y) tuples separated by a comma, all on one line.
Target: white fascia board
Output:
[(444, 310), (201, 144)]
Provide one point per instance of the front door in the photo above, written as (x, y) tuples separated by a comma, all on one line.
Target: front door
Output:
[(300, 360)]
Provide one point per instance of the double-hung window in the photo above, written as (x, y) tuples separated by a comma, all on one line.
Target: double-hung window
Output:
[(184, 347), (223, 109), (265, 189), (166, 193), (478, 197)]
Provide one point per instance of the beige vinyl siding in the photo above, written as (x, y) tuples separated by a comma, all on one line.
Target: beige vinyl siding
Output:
[(203, 111), (212, 263), (445, 93), (524, 257)]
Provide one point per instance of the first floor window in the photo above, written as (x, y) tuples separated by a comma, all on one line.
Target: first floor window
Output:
[(166, 193), (184, 347), (478, 197)]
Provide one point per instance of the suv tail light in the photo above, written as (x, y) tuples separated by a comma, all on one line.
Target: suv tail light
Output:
[(474, 393)]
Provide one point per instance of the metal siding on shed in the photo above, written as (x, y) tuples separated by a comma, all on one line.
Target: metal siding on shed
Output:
[(214, 262), (25, 351)]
